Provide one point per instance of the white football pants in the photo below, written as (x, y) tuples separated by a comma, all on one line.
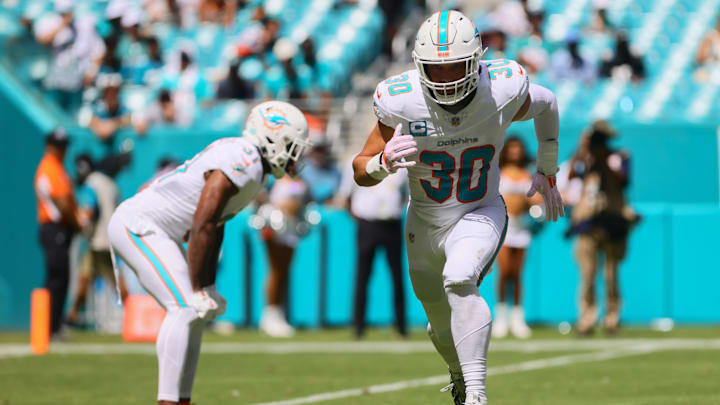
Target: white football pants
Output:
[(162, 269), (446, 266)]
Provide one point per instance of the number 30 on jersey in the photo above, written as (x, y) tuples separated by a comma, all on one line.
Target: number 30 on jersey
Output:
[(445, 167)]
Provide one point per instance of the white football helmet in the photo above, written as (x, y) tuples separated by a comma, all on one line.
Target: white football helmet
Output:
[(280, 130), (448, 36)]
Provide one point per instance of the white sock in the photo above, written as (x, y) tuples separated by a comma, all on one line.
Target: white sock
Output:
[(174, 352), (470, 324), (191, 358)]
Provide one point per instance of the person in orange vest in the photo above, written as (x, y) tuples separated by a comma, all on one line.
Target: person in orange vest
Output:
[(58, 220)]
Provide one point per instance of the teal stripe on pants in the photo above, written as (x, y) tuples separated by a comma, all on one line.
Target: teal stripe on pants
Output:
[(497, 250), (161, 270)]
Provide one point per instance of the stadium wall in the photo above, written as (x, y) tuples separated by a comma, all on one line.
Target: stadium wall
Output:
[(671, 270)]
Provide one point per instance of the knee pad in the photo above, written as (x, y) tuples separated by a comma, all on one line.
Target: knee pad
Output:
[(460, 271)]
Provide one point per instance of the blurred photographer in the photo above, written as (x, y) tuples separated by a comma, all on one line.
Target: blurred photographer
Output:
[(602, 220)]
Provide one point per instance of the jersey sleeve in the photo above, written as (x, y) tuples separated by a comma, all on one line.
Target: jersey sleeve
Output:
[(510, 82), (239, 161), (386, 106)]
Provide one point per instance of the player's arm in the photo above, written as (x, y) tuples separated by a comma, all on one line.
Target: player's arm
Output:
[(210, 271), (541, 106), (383, 153), (205, 234)]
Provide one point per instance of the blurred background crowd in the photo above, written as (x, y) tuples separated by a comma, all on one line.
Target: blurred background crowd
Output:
[(140, 85)]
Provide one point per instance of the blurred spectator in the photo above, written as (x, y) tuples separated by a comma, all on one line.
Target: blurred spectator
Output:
[(321, 173), (218, 11), (58, 219), (150, 71), (108, 64), (97, 196), (394, 15), (188, 85), (163, 111), (109, 115), (532, 49), (132, 46), (259, 37), (76, 48), (378, 211), (568, 64), (515, 181), (602, 220), (708, 56), (599, 36), (285, 226), (233, 86), (511, 17), (113, 14), (496, 42), (161, 10), (624, 60)]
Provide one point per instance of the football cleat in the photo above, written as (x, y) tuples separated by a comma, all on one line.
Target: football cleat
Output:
[(457, 389), (475, 398)]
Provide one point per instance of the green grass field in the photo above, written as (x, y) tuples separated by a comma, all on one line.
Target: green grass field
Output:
[(328, 367)]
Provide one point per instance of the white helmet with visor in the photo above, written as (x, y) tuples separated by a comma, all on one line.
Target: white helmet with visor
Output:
[(448, 37)]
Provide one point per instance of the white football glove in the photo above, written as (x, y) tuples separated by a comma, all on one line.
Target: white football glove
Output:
[(208, 303), (397, 148), (547, 187)]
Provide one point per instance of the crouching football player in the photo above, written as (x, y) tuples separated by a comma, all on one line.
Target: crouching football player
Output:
[(194, 201)]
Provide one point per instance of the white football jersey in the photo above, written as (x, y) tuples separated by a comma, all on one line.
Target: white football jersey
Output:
[(457, 158), (170, 201)]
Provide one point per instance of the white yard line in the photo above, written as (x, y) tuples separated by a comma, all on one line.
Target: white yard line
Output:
[(442, 379), (21, 350)]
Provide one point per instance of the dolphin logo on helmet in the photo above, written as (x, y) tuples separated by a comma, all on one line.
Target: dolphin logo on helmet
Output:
[(280, 131), (273, 118)]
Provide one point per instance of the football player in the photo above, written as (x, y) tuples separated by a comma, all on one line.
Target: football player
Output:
[(445, 121), (193, 203)]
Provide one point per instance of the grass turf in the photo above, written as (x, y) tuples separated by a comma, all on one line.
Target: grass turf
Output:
[(664, 377)]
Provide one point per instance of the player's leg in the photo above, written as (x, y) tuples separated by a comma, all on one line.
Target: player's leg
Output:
[(102, 261), (425, 262), (518, 327), (162, 270), (393, 252), (470, 248), (614, 253), (83, 282), (500, 323), (273, 320), (366, 247), (586, 254)]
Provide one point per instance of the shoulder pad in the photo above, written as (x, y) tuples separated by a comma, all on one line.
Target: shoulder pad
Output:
[(508, 79), (394, 96)]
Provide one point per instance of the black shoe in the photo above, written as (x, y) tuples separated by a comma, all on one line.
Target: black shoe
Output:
[(457, 389)]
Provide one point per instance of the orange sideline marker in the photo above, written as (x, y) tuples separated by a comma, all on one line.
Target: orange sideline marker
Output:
[(40, 321), (142, 318)]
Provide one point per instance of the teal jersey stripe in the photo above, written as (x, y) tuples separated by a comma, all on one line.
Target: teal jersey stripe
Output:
[(497, 250), (442, 30), (160, 269)]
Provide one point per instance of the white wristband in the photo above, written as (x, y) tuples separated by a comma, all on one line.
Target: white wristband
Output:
[(547, 158), (375, 169)]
